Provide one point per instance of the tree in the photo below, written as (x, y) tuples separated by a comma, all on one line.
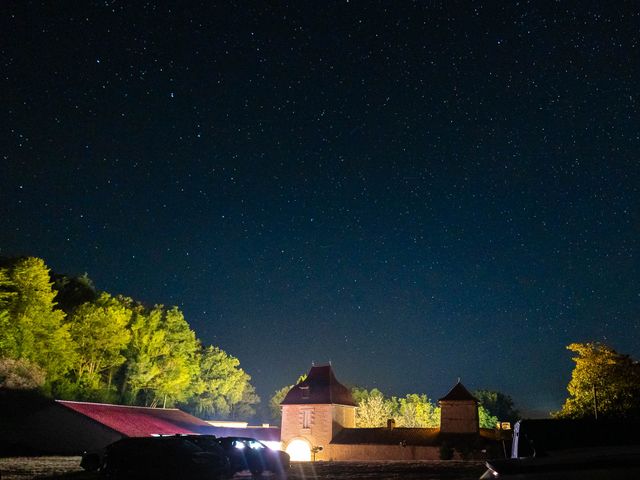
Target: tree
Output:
[(100, 332), (222, 388), (32, 329), (498, 404), (486, 420), (373, 410), (180, 366), (274, 403), (147, 347), (416, 410), (359, 394), (7, 295), (602, 380), (245, 408), (277, 398), (162, 362)]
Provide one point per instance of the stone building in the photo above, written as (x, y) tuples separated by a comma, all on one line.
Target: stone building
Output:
[(318, 422), (313, 412), (459, 411)]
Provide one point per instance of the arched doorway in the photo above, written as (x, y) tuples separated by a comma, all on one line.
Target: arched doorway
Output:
[(299, 450)]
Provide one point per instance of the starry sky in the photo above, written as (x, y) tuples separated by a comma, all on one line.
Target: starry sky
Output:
[(414, 190)]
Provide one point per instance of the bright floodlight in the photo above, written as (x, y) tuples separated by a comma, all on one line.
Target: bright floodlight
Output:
[(299, 451)]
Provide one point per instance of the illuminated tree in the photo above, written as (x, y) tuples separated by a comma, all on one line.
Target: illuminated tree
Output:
[(162, 362), (32, 328), (7, 330), (416, 410), (222, 388), (180, 366), (101, 334), (602, 380), (485, 419), (373, 410), (146, 348)]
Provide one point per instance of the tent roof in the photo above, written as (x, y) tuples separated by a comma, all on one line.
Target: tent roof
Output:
[(458, 393), (139, 421)]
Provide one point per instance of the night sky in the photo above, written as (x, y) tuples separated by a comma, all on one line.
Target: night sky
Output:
[(415, 191)]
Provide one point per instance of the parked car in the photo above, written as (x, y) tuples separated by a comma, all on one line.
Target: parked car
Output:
[(250, 454), (159, 458)]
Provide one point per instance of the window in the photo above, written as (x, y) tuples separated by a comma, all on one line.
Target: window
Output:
[(305, 392), (306, 418)]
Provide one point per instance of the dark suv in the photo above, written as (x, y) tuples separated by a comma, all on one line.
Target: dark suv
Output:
[(160, 458)]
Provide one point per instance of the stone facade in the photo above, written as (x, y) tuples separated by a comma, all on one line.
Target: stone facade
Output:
[(314, 411), (459, 411), (459, 417), (316, 424)]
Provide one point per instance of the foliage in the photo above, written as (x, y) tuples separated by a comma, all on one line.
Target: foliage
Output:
[(99, 330), (602, 374), (93, 346), (274, 403), (359, 394), (486, 420), (180, 366), (246, 407), (416, 410), (373, 410), (20, 375), (162, 362), (497, 404), (32, 329), (222, 386)]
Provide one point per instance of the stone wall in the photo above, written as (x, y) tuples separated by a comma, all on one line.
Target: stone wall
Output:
[(381, 452)]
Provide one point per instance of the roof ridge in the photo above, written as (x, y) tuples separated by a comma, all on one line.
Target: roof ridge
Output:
[(77, 402)]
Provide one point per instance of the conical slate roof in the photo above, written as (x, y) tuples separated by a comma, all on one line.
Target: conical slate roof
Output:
[(458, 393), (320, 387)]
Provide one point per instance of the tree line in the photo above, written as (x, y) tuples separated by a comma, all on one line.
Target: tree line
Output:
[(61, 335)]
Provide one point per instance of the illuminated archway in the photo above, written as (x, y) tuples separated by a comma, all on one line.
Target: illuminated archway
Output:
[(299, 450)]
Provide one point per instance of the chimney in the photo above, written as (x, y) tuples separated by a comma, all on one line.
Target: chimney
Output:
[(391, 424)]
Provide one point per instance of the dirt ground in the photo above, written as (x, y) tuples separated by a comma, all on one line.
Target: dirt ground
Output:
[(21, 468)]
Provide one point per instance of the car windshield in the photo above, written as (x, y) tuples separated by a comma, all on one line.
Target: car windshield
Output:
[(256, 445)]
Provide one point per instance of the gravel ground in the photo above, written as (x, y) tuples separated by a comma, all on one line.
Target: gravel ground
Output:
[(21, 468)]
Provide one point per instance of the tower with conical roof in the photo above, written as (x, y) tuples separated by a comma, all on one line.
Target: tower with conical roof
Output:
[(313, 412), (459, 411)]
